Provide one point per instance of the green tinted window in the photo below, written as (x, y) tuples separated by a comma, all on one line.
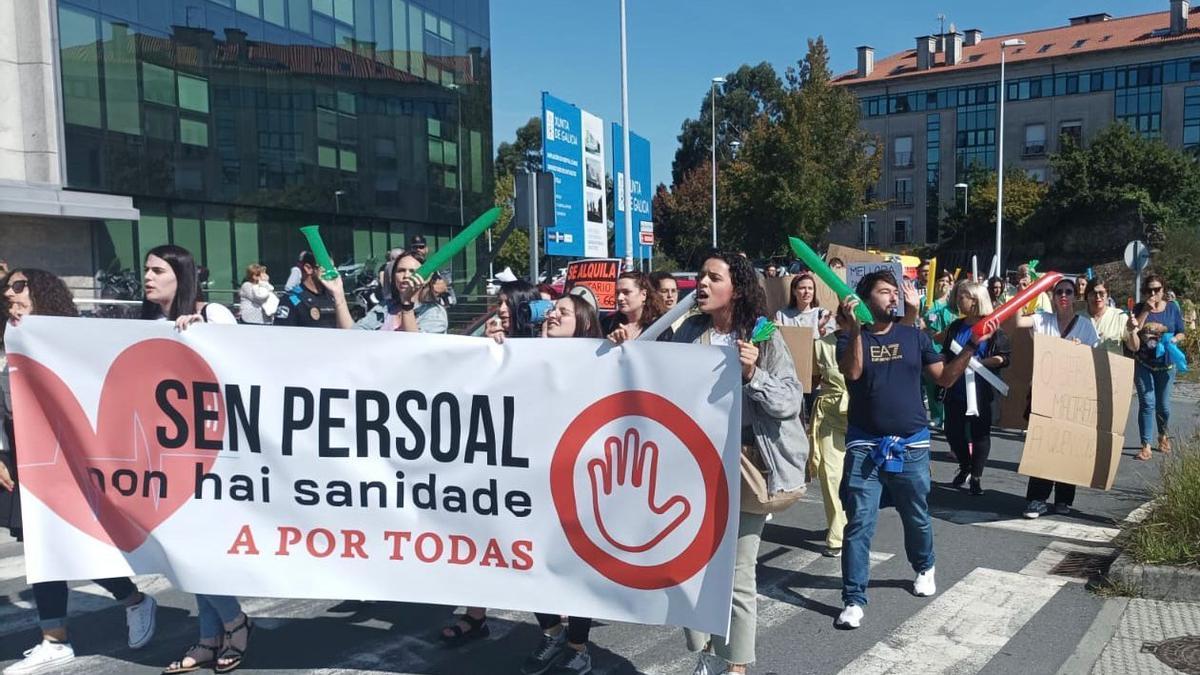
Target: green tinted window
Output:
[(245, 240), (248, 6), (151, 231), (158, 84), (193, 93), (115, 247), (273, 12), (349, 160), (476, 152), (416, 41), (185, 232), (299, 17), (80, 68), (218, 255), (400, 34), (193, 132), (327, 156), (120, 79)]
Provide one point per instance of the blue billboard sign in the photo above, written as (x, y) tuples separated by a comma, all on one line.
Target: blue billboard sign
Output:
[(641, 191), (573, 152)]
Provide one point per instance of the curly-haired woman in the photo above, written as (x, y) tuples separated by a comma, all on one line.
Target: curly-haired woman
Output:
[(39, 293)]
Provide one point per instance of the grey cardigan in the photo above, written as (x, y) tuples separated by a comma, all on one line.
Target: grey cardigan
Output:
[(771, 404)]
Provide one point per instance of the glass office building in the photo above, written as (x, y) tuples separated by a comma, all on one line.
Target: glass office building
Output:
[(232, 123)]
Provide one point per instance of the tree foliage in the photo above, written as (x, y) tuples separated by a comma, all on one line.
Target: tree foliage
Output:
[(806, 168), (749, 93), (1023, 196), (514, 252), (683, 218), (524, 153)]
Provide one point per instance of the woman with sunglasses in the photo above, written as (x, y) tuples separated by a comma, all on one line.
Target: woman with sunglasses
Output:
[(1154, 320), (1109, 321), (1068, 325), (40, 293)]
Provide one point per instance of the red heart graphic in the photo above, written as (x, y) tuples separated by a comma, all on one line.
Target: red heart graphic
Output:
[(57, 445)]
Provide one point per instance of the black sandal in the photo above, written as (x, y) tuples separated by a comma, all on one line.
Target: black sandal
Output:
[(192, 652), (477, 629), (232, 654)]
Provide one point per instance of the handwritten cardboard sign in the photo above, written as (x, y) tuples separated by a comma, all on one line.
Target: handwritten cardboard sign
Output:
[(799, 341), (855, 271), (849, 254), (1079, 404), (599, 276)]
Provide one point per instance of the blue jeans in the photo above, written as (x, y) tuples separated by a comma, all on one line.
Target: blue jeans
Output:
[(1154, 399), (862, 485), (215, 611)]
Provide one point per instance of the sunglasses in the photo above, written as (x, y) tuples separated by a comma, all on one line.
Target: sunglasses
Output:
[(1154, 289), (17, 286), (1064, 291)]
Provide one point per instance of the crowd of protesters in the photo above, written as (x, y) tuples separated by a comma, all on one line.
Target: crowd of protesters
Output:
[(861, 427)]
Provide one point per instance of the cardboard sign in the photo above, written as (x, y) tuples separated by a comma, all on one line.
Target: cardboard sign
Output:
[(799, 341), (849, 254), (1079, 405), (599, 276), (857, 270), (1017, 376)]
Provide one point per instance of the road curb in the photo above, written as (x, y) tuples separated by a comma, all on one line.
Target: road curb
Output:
[(1097, 637), (1157, 582)]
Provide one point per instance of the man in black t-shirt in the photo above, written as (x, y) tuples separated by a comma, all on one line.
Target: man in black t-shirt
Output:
[(887, 439), (315, 302)]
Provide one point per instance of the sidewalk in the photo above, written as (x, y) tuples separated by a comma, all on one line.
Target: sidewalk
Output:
[(1132, 636)]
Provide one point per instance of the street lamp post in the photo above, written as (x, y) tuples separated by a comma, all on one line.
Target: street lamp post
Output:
[(627, 188), (1014, 42), (966, 195), (715, 82), (864, 224)]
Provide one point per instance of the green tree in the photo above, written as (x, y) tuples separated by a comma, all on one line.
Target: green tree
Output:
[(807, 169), (683, 218), (1023, 197), (524, 153), (749, 93)]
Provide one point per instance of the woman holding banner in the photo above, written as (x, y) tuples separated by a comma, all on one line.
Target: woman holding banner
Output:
[(563, 649), (37, 292), (1068, 325), (509, 322), (731, 300), (969, 408), (172, 294), (638, 306)]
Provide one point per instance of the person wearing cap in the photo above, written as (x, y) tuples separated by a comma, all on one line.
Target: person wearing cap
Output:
[(418, 247), (312, 304)]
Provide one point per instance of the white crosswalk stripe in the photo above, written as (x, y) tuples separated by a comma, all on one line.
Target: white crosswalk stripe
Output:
[(961, 630)]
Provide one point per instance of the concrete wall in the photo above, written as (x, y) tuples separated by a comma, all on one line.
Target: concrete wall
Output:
[(29, 108), (59, 245)]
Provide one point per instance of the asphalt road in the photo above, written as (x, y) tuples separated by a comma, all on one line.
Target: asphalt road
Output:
[(999, 609)]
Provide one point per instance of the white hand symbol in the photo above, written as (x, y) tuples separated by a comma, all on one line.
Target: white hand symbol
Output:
[(627, 475)]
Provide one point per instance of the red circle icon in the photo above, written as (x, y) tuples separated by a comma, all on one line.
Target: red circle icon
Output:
[(716, 492)]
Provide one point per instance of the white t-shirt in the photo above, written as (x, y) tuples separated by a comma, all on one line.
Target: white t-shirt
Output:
[(720, 339), (1046, 323), (809, 318)]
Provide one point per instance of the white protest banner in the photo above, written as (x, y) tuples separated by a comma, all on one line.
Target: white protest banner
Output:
[(559, 475)]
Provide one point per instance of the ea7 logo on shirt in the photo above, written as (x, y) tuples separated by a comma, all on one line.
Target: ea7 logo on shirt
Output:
[(884, 353)]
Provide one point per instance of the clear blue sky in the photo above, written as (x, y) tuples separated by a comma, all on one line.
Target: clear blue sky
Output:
[(571, 48)]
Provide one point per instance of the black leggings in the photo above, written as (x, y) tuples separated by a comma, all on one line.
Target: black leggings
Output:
[(51, 598), (578, 627), (975, 431), (1039, 489)]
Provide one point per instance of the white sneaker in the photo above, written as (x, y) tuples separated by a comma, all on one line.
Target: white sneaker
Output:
[(924, 585), (851, 617), (141, 621), (45, 656)]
